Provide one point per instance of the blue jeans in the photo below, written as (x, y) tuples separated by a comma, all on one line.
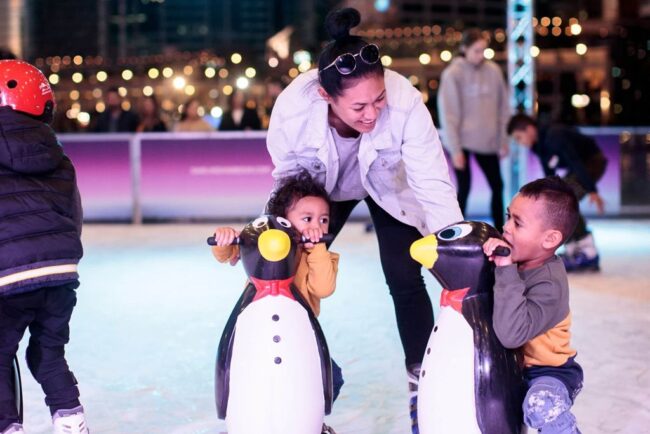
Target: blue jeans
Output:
[(547, 407)]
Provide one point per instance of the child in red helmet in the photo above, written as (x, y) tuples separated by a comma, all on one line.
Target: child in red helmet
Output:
[(40, 247)]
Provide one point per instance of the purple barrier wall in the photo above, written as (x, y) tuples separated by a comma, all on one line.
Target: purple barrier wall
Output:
[(204, 177), (103, 174), (166, 176)]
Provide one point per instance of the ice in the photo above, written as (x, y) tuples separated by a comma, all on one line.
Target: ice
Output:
[(153, 303)]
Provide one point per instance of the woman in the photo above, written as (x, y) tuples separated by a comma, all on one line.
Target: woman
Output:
[(190, 120), (150, 120), (239, 117), (473, 107), (365, 134)]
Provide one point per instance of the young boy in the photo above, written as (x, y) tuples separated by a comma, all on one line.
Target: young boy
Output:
[(40, 247), (560, 147), (531, 300), (306, 205)]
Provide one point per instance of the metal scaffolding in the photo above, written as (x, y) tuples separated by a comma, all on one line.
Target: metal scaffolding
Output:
[(521, 79)]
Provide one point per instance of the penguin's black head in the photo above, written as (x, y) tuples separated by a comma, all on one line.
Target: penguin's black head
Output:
[(268, 247), (454, 255)]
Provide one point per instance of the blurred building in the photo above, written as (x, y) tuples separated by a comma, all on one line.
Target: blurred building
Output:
[(117, 29), (10, 26), (592, 59)]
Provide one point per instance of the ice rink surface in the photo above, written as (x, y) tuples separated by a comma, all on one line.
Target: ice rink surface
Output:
[(153, 303)]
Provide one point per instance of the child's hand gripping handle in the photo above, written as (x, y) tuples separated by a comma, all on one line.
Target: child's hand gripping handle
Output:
[(501, 251), (213, 242)]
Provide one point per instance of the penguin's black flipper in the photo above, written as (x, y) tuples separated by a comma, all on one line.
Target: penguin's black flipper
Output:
[(323, 350), (224, 353), (18, 390), (498, 374)]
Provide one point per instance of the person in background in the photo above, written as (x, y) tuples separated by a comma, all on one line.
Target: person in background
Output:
[(273, 89), (150, 120), (562, 147), (114, 119), (239, 117), (190, 120), (474, 111), (61, 122), (6, 54)]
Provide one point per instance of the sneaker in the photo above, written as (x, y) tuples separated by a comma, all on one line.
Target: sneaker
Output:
[(413, 372), (13, 428), (580, 262), (70, 421), (327, 430)]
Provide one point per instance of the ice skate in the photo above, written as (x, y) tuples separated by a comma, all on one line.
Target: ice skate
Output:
[(327, 430), (580, 262), (13, 428), (584, 257), (70, 421)]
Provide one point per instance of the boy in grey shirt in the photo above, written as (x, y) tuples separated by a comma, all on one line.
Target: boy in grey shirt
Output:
[(531, 300)]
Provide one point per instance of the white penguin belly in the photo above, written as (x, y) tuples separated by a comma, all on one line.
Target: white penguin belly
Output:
[(275, 371), (446, 402)]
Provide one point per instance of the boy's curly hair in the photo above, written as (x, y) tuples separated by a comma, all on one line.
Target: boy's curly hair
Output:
[(291, 189), (561, 203)]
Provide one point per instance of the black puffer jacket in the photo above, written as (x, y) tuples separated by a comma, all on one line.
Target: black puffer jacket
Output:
[(40, 208)]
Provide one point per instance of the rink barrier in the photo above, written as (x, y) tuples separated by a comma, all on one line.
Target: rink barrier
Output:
[(227, 175)]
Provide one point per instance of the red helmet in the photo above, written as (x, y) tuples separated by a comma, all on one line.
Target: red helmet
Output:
[(24, 88)]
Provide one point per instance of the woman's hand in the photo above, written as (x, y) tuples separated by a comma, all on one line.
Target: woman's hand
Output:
[(458, 161), (312, 234), (597, 200), (504, 151), (490, 245)]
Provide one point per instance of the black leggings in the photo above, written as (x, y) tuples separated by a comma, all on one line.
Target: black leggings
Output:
[(413, 309), (489, 164)]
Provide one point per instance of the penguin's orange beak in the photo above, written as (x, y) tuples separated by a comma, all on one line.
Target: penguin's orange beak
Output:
[(274, 245), (425, 251)]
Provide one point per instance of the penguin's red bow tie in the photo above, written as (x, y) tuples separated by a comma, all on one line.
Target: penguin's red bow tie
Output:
[(272, 288), (453, 298)]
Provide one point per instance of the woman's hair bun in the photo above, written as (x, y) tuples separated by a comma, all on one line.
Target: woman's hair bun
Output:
[(338, 23)]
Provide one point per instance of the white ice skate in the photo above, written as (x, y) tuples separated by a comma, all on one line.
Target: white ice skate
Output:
[(14, 428), (70, 421)]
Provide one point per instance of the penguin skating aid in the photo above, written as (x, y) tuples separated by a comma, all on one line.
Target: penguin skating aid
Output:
[(469, 383), (273, 371)]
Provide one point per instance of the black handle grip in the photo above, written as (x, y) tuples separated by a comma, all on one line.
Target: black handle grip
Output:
[(213, 242), (326, 238), (501, 251)]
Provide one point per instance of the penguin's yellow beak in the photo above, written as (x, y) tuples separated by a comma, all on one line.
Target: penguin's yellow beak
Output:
[(274, 245), (425, 251)]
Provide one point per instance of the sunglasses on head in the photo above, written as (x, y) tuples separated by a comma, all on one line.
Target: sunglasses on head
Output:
[(346, 63)]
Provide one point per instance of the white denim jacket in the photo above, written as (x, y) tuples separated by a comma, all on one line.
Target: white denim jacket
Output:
[(403, 167)]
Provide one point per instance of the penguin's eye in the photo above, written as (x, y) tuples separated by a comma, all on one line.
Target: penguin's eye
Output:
[(455, 232), (260, 222), (284, 222)]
